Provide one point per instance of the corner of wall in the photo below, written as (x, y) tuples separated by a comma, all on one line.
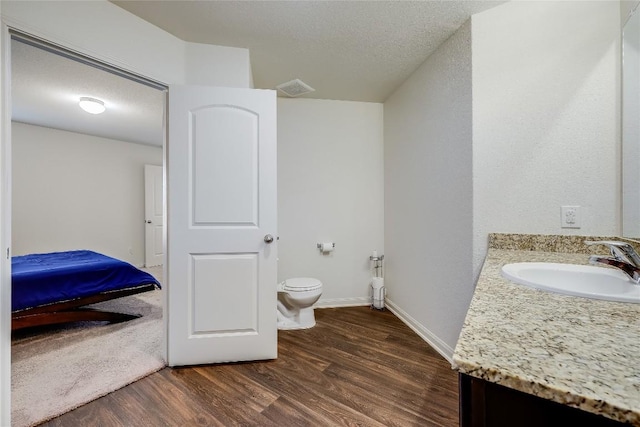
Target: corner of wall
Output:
[(444, 349), (251, 82), (626, 8), (428, 193)]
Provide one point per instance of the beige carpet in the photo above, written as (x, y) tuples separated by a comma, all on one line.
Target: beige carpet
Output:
[(58, 370)]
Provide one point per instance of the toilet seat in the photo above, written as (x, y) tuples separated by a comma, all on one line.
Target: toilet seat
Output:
[(300, 284)]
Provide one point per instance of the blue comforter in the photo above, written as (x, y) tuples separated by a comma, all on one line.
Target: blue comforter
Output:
[(40, 279)]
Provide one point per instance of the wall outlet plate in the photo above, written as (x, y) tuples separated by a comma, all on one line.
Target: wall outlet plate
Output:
[(570, 217)]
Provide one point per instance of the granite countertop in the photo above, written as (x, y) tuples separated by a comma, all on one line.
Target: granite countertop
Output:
[(576, 351)]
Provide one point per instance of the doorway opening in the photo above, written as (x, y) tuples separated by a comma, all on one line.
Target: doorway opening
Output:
[(78, 183)]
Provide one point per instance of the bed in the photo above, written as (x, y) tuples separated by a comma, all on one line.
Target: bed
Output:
[(54, 287)]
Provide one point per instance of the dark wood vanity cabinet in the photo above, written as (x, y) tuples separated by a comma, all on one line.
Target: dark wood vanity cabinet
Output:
[(486, 404)]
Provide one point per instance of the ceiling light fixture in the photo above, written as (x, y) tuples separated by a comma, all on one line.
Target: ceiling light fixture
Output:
[(92, 105)]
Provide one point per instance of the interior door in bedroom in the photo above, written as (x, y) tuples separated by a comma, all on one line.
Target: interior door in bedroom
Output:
[(221, 299), (154, 216)]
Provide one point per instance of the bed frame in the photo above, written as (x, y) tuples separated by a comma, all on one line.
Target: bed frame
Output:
[(74, 310)]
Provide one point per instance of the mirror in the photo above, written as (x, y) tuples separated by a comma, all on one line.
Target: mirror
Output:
[(631, 125)]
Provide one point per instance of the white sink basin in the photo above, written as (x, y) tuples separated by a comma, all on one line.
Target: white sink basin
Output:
[(577, 280)]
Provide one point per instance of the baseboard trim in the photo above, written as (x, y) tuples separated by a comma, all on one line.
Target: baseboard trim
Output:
[(438, 345), (342, 302)]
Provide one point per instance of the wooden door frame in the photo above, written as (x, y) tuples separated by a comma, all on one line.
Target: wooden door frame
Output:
[(5, 206)]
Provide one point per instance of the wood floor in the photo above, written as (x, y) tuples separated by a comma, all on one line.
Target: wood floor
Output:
[(357, 367)]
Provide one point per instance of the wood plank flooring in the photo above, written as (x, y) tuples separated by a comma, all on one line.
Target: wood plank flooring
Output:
[(356, 367)]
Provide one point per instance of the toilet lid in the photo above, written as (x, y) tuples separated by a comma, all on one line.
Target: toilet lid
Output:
[(301, 284)]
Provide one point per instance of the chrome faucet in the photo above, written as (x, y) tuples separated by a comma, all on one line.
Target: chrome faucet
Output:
[(623, 257)]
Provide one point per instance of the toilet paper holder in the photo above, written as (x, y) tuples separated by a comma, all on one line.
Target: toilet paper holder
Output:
[(319, 245)]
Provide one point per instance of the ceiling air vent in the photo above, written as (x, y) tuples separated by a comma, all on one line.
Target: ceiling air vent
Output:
[(295, 88)]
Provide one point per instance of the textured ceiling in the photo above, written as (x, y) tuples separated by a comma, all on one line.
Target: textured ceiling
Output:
[(46, 88), (347, 50)]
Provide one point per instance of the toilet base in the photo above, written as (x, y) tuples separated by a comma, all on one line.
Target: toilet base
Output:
[(303, 319)]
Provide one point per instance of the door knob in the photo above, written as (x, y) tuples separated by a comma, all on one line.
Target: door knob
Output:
[(268, 238), (148, 221)]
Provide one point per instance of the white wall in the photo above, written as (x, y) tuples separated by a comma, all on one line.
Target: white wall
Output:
[(546, 118), (109, 33), (428, 194), (545, 80), (75, 191), (218, 65), (330, 188)]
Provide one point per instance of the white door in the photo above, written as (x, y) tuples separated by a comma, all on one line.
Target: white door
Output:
[(221, 166), (153, 216)]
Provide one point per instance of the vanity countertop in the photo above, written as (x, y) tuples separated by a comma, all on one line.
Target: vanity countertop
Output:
[(580, 352)]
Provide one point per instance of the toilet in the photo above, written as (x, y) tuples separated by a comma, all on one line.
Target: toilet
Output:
[(295, 302)]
